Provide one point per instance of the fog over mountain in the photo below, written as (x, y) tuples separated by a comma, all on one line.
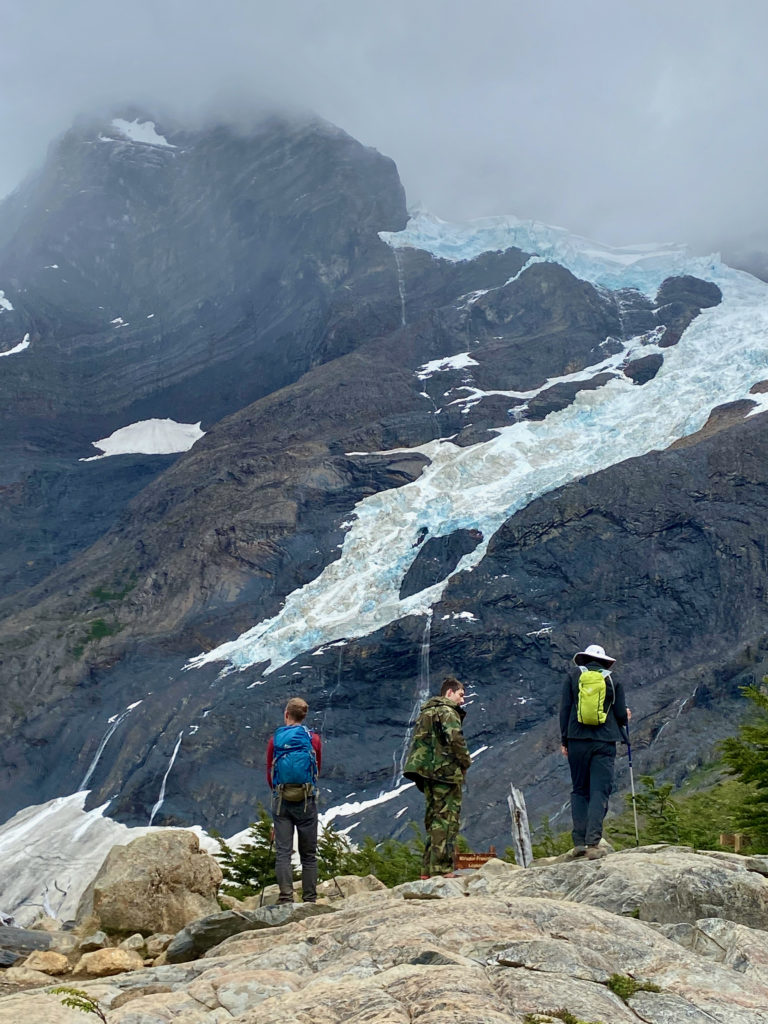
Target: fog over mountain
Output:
[(626, 123)]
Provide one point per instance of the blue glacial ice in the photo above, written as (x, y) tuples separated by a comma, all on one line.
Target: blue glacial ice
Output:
[(720, 356)]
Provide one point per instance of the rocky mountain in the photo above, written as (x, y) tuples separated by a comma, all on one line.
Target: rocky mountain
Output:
[(427, 448)]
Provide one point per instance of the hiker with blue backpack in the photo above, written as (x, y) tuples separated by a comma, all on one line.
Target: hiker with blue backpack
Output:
[(294, 755), (593, 713)]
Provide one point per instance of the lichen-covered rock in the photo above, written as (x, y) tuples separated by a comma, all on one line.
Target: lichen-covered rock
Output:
[(25, 976), (157, 943), (664, 884), (158, 883), (103, 962), (349, 885), (94, 940), (135, 942), (48, 962)]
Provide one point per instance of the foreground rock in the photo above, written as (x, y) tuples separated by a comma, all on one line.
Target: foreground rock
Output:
[(469, 951), (158, 883)]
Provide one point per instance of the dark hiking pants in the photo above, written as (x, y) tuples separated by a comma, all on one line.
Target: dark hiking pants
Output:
[(441, 823), (592, 766), (304, 820)]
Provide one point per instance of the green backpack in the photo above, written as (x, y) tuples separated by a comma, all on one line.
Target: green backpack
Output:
[(590, 704)]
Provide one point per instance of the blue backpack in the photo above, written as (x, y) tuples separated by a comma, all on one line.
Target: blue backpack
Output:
[(294, 766)]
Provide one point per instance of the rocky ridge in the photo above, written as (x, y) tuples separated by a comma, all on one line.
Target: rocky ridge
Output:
[(657, 935)]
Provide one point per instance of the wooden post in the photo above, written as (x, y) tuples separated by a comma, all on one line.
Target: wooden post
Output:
[(521, 833)]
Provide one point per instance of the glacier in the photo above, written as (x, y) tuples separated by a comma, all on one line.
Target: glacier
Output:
[(718, 359)]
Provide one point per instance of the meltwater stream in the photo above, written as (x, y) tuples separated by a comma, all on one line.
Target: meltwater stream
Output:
[(720, 356)]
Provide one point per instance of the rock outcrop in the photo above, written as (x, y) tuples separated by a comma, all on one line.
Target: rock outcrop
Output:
[(471, 949), (157, 883)]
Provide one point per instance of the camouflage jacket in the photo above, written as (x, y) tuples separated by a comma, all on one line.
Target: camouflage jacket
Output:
[(438, 749)]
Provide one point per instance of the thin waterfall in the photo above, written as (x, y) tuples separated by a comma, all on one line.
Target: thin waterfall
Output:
[(400, 284), (331, 695), (160, 799), (422, 694), (114, 722)]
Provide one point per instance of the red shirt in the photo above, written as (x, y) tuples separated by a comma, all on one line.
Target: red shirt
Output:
[(317, 746)]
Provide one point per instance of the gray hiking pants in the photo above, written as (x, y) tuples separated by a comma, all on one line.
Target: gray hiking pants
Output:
[(304, 821), (592, 766)]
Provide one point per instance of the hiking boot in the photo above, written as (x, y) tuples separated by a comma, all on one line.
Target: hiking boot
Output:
[(579, 851), (595, 852)]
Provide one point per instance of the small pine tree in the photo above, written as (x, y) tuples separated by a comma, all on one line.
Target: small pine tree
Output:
[(547, 843), (252, 867), (746, 756), (333, 853)]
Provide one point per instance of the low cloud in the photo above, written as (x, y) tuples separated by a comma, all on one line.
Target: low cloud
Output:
[(623, 122)]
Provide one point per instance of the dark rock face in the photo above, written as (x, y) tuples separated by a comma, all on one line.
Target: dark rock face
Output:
[(301, 336), (175, 282), (640, 371), (438, 557), (679, 300), (691, 291), (560, 396)]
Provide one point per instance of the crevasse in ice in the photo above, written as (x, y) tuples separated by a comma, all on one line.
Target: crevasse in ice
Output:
[(720, 356)]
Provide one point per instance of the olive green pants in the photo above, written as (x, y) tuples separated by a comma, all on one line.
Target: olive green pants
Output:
[(441, 823)]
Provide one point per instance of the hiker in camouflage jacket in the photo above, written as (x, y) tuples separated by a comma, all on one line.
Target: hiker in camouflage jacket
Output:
[(437, 762)]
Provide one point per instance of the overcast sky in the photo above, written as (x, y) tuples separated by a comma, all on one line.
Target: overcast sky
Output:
[(625, 121)]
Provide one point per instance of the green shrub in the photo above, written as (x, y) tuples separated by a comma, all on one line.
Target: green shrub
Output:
[(564, 1015), (687, 819), (624, 987), (547, 843)]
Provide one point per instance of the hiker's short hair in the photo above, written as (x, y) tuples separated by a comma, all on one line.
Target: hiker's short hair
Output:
[(450, 683), (297, 709)]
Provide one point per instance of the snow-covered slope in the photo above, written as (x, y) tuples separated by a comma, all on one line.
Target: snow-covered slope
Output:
[(721, 355)]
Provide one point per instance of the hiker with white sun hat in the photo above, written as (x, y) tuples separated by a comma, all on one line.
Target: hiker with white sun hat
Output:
[(593, 713)]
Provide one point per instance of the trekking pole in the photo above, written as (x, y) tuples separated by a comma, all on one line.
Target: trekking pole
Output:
[(269, 851), (632, 782)]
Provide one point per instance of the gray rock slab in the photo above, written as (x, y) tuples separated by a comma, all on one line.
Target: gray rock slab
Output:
[(200, 936), (23, 940)]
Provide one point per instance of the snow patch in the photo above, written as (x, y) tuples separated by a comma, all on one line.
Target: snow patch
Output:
[(348, 809), (4, 303), (457, 362), (139, 131), (17, 348), (148, 437)]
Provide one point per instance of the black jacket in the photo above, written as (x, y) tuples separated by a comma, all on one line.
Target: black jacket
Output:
[(572, 729)]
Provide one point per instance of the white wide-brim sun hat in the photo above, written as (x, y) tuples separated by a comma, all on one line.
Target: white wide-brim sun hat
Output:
[(593, 653)]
